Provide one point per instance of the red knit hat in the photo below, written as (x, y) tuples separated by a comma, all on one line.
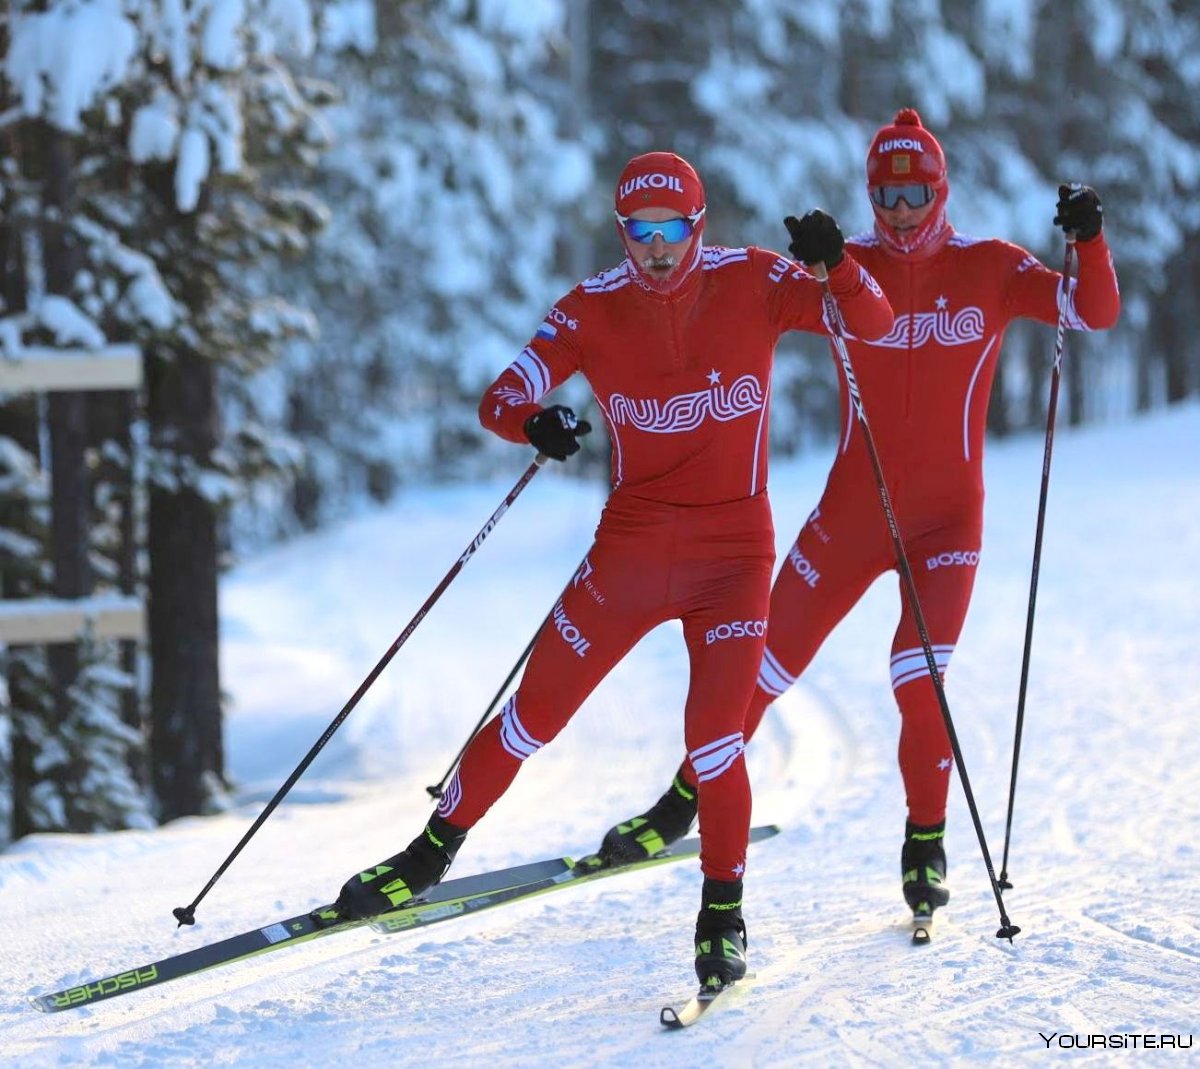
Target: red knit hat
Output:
[(905, 153), (662, 180), (902, 154), (659, 180)]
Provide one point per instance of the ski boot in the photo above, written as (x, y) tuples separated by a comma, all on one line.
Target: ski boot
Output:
[(720, 935), (652, 832), (923, 867), (404, 876)]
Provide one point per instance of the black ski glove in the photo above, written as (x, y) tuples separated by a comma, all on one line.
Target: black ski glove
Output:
[(553, 431), (816, 238), (1079, 210)]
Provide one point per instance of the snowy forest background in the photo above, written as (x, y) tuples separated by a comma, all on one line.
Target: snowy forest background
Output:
[(329, 223)]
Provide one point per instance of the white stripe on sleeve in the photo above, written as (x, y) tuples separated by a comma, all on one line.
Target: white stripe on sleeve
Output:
[(534, 373)]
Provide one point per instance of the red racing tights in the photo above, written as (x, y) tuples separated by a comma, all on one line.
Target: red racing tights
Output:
[(708, 566), (840, 552)]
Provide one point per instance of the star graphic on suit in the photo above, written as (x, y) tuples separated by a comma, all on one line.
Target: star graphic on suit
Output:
[(714, 376), (941, 303), (943, 764), (496, 414), (738, 869)]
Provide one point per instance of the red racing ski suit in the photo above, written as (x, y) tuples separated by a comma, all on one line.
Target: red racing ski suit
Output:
[(925, 388), (683, 381)]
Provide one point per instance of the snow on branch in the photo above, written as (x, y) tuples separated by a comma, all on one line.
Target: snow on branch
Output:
[(62, 60)]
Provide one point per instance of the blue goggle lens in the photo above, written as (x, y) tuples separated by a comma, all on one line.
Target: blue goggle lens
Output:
[(915, 196), (672, 230)]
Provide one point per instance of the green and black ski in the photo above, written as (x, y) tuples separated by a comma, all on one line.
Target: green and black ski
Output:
[(452, 898), (587, 868)]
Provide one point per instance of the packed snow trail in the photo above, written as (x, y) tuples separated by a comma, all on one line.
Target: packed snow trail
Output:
[(1104, 860)]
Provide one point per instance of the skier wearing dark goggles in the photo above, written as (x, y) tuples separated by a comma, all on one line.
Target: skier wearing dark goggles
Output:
[(671, 230), (915, 196)]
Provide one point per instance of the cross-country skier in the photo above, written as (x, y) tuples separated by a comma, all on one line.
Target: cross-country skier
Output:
[(925, 388), (677, 344)]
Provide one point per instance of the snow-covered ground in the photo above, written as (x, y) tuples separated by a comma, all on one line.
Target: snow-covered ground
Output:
[(1105, 855)]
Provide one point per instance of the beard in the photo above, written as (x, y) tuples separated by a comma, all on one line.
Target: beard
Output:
[(663, 274), (659, 263)]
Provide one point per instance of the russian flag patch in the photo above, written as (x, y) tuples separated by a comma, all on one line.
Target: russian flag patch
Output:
[(547, 330)]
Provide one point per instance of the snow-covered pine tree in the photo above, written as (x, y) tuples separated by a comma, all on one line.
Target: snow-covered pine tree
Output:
[(185, 129), (22, 496), (55, 749), (214, 217), (455, 191), (65, 740), (26, 697), (1023, 97), (771, 89)]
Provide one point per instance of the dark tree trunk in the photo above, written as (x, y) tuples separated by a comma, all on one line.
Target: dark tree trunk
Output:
[(998, 422), (1037, 355), (581, 253), (114, 415), (68, 434), (1075, 376), (133, 705), (21, 820), (186, 751), (67, 419), (1144, 380), (306, 487), (26, 692), (1180, 351), (185, 699), (18, 421)]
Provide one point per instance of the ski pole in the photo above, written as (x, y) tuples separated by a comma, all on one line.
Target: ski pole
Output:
[(1007, 928), (436, 790), (1052, 408), (187, 914)]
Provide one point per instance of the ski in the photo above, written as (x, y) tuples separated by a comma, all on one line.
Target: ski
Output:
[(451, 898), (697, 1006), (585, 870), (292, 931)]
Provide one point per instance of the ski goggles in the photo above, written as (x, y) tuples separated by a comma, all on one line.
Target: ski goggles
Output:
[(674, 230), (915, 196)]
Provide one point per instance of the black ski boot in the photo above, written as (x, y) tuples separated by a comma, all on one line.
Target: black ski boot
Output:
[(923, 867), (404, 876), (720, 934), (644, 836)]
